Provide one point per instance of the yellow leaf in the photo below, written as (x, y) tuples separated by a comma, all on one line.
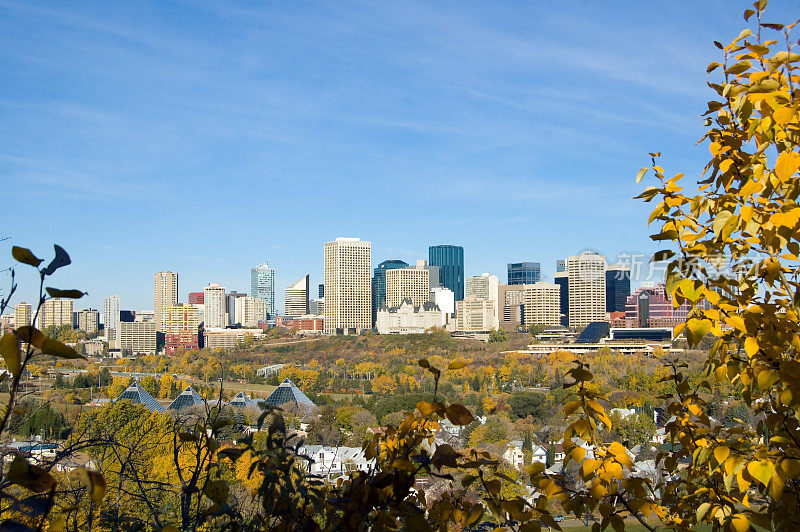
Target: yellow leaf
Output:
[(751, 346), (740, 523), (787, 164), (721, 453), (93, 480), (9, 347), (751, 187), (736, 322), (457, 364), (761, 470)]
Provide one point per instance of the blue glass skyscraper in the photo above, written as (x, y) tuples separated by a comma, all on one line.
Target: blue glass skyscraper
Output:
[(524, 272), (450, 260), (618, 287)]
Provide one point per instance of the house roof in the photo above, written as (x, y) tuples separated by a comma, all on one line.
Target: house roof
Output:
[(138, 395)]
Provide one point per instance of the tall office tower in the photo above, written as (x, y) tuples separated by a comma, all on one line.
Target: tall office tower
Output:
[(561, 265), (587, 288), (485, 287), (262, 285), (450, 260), (230, 306), (22, 315), (348, 286), (296, 297), (55, 312), (618, 287), (88, 320), (562, 280), (524, 272), (322, 290), (379, 284), (165, 294), (511, 301), (196, 298), (111, 319), (411, 282), (542, 304), (214, 306)]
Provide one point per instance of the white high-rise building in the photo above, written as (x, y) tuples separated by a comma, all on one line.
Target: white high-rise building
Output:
[(22, 315), (214, 306), (485, 287), (445, 299), (262, 285), (411, 282), (586, 288), (542, 302), (165, 295), (348, 286), (111, 319), (296, 298), (56, 312)]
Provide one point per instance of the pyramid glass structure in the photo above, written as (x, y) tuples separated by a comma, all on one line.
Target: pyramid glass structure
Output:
[(187, 398), (288, 392), (138, 395), (241, 401)]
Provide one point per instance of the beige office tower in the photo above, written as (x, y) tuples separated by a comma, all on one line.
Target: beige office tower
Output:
[(348, 286), (22, 315), (138, 337), (55, 312), (474, 314), (250, 311), (296, 298), (485, 287), (542, 304), (165, 295), (411, 282), (586, 288)]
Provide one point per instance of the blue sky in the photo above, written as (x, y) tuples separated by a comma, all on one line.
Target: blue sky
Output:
[(206, 137)]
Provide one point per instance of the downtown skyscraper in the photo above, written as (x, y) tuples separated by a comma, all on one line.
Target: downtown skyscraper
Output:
[(450, 260), (262, 285), (348, 286), (165, 295)]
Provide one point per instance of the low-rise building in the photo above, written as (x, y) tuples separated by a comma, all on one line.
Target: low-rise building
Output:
[(217, 338), (334, 462), (474, 314), (409, 318)]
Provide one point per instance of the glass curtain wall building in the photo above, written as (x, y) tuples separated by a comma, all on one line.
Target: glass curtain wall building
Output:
[(262, 285), (450, 260), (524, 272)]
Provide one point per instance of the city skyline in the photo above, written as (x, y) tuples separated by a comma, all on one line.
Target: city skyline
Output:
[(515, 132)]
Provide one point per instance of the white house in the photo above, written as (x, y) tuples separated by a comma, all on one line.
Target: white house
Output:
[(514, 455), (332, 462)]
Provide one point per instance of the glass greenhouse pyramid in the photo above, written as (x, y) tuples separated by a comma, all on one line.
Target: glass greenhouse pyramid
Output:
[(138, 395), (241, 401), (288, 392), (187, 398)]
